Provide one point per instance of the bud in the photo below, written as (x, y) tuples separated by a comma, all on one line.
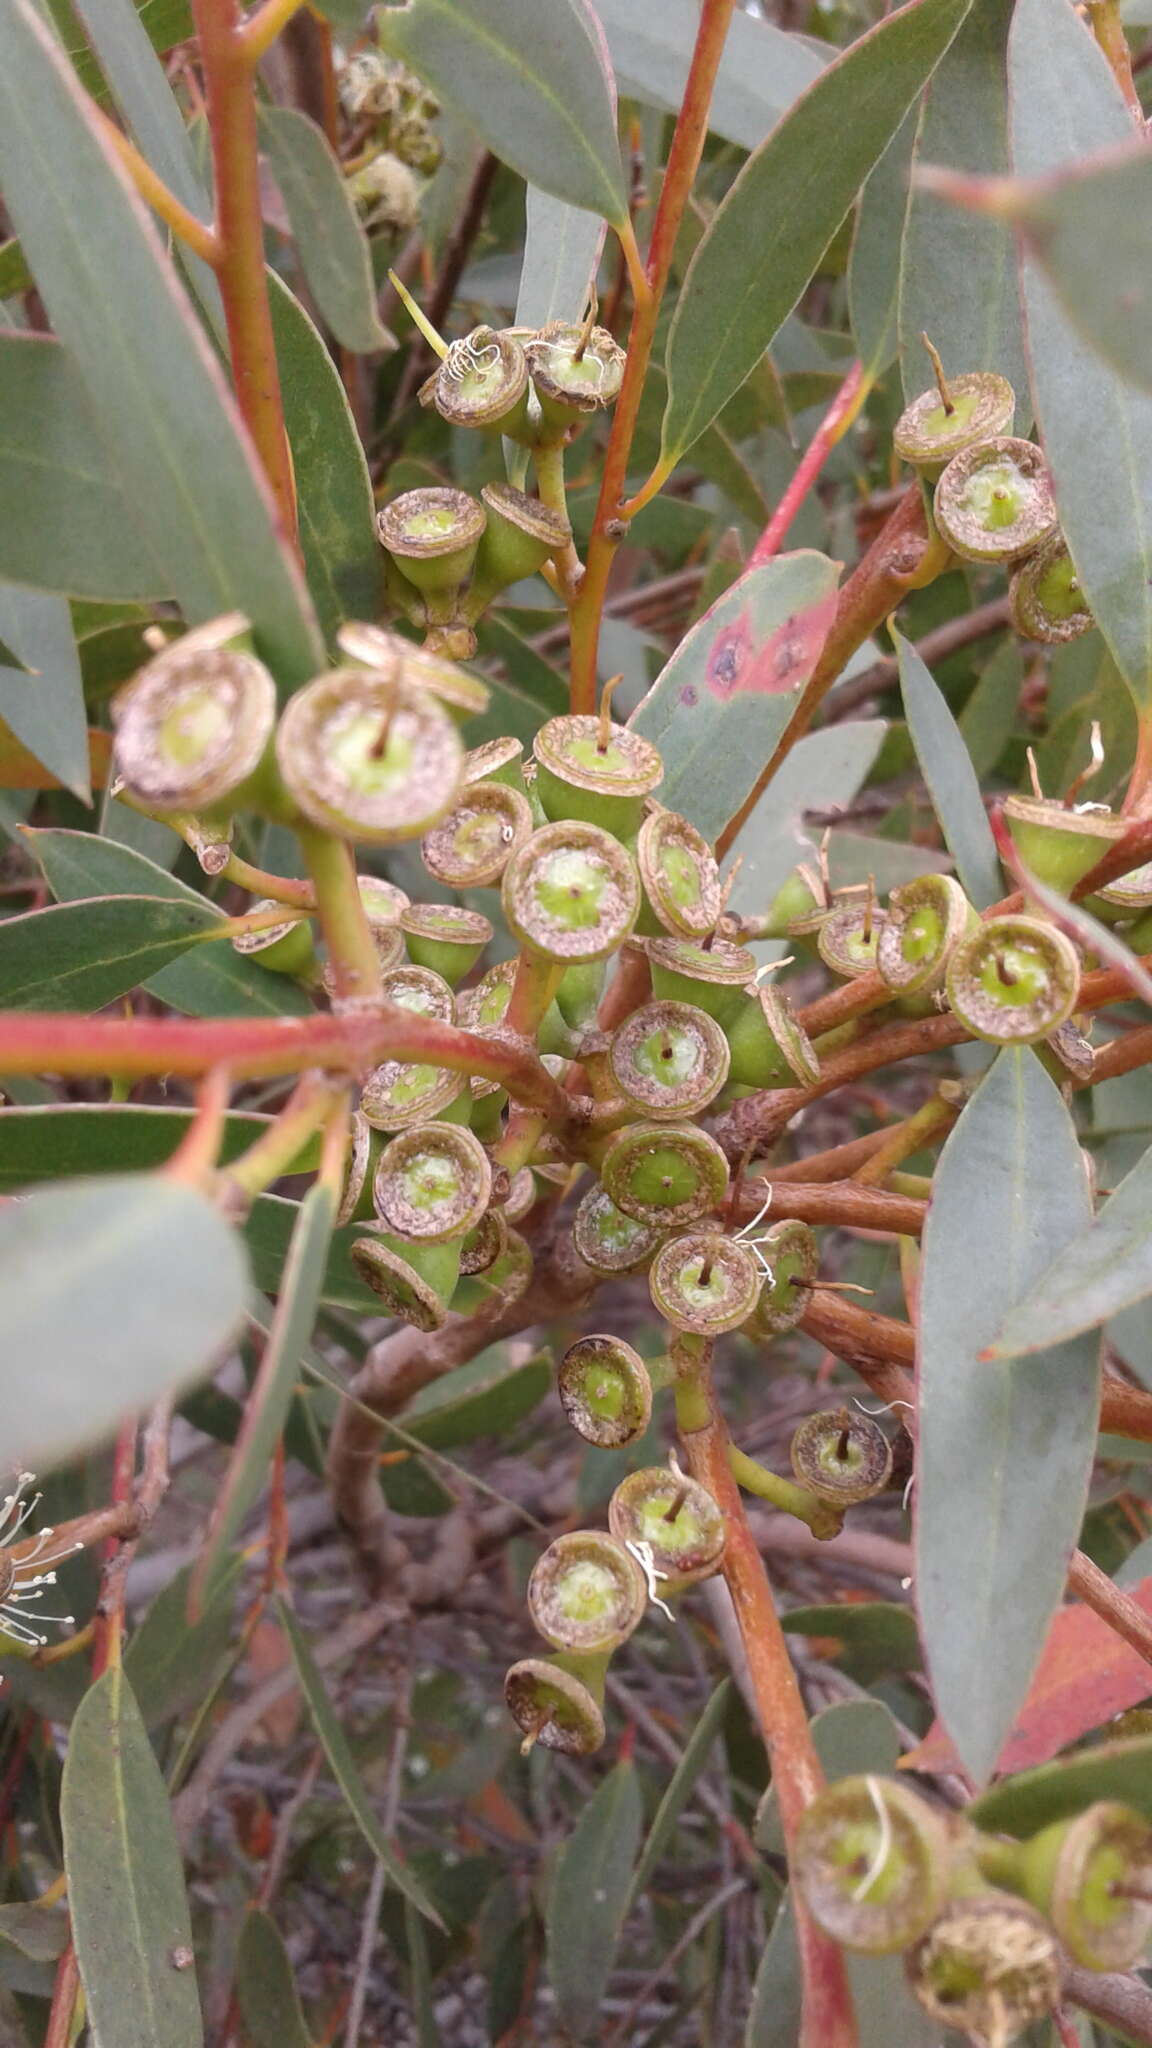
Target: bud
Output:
[(989, 1967)]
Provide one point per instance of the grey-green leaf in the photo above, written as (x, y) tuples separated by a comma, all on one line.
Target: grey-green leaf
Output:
[(43, 702), (1005, 1448), (113, 1293), (154, 384), (532, 79), (130, 1919), (330, 242), (334, 1743), (589, 1898), (1097, 430), (874, 265), (562, 247), (762, 247), (946, 766), (168, 1659), (762, 71), (958, 270), (208, 981), (679, 1789), (718, 708), (265, 1987), (823, 772), (65, 520), (1105, 1270), (80, 956)]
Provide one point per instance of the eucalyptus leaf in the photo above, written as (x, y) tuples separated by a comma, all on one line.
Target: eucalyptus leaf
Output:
[(43, 701), (37, 1931), (330, 242), (1005, 1448), (850, 1737), (681, 1785), (154, 384), (113, 1293), (1106, 1269), (211, 981), (1031, 1800), (81, 956), (1097, 431), (823, 772), (562, 247), (589, 1898), (130, 1919), (946, 766), (265, 1987), (168, 1657), (487, 1397), (334, 1743), (874, 265), (958, 279), (60, 1140), (533, 82), (762, 71), (65, 521), (730, 308), (720, 704)]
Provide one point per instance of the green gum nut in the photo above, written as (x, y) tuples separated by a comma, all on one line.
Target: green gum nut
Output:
[(669, 1060), (767, 1047), (472, 846), (552, 1707), (414, 1281), (194, 726), (793, 900), (1092, 1878), (1125, 897), (841, 1457), (578, 994), (420, 990), (609, 1240), (373, 647), (500, 1285), (927, 435), (432, 535), (925, 921), (521, 535), (713, 978), (1013, 980), (605, 1391), (356, 1204), (284, 948), (590, 770), (1058, 845), (574, 374), (704, 1283), (482, 382), (1046, 598), (790, 1254), (483, 1245), (400, 1093), (676, 1517), (571, 893), (368, 757), (1139, 935), (382, 901), (681, 879), (873, 1862), (995, 501), (665, 1174), (445, 937), (989, 1966), (433, 1182), (496, 761), (586, 1592), (849, 938)]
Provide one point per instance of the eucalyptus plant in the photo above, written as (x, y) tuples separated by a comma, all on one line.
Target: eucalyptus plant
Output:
[(508, 949)]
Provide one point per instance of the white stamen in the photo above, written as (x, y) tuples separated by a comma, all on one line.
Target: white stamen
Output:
[(882, 1847), (646, 1559)]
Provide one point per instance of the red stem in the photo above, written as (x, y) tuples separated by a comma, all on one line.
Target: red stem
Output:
[(835, 423)]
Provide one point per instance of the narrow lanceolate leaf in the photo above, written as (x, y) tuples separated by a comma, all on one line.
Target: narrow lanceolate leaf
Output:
[(271, 1393), (342, 557), (65, 521), (330, 242), (334, 1743), (874, 266), (80, 956), (171, 429), (1097, 430), (207, 981), (1106, 1269), (1005, 1447), (43, 702), (681, 1785), (58, 1140), (823, 772), (718, 708), (562, 247), (763, 68), (946, 766), (265, 1987), (113, 1292), (590, 1893), (130, 1919), (958, 271), (533, 82), (731, 305)]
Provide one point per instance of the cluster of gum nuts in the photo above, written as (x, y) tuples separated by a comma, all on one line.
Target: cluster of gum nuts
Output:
[(987, 1923)]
